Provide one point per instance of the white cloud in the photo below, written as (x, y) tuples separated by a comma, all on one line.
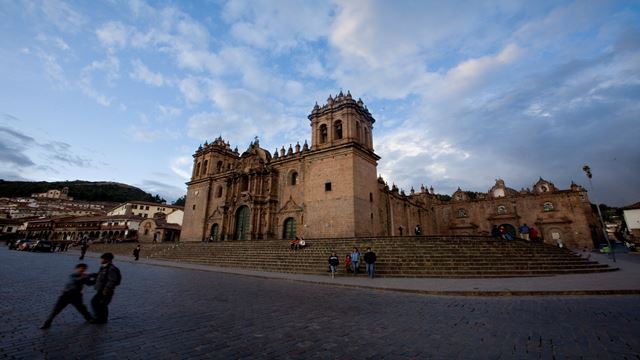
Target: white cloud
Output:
[(52, 68), (113, 35), (110, 67), (169, 111), (468, 74), (149, 133), (62, 15), (191, 90), (142, 73), (55, 40), (278, 25), (181, 166)]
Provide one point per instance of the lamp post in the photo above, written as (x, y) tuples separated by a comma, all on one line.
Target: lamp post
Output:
[(587, 171)]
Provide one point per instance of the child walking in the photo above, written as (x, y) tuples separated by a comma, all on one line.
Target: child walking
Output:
[(72, 294)]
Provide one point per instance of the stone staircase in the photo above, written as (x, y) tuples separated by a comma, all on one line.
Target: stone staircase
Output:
[(425, 256)]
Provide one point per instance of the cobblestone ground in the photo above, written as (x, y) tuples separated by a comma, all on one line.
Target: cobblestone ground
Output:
[(168, 313)]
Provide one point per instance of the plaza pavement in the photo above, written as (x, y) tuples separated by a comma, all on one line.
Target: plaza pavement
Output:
[(621, 282), (187, 312)]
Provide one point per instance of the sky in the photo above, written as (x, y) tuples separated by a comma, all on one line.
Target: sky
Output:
[(463, 92)]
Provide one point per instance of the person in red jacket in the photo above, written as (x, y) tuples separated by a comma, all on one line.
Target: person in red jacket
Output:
[(533, 234), (347, 262)]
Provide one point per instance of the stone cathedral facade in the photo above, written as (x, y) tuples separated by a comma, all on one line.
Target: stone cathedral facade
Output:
[(331, 189)]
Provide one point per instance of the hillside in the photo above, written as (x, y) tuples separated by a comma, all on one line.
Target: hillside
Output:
[(79, 190)]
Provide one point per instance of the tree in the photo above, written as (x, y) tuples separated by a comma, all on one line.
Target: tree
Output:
[(180, 201)]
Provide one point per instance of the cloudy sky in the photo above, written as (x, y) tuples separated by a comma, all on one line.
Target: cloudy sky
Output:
[(463, 92)]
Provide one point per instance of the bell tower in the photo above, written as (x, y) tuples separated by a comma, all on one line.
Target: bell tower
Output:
[(341, 197), (340, 121)]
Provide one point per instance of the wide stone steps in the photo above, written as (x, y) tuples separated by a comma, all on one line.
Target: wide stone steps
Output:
[(439, 256), (397, 257)]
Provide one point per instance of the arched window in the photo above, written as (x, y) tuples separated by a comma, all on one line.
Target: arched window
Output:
[(502, 210), (357, 130), (337, 126), (219, 192), (548, 206), (370, 197), (219, 166), (204, 167), (244, 183), (294, 178), (323, 134), (289, 229), (197, 172)]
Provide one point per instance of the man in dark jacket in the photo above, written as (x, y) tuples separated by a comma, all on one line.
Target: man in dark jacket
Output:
[(370, 260), (106, 281)]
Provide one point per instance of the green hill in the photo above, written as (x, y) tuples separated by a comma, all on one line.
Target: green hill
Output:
[(79, 190)]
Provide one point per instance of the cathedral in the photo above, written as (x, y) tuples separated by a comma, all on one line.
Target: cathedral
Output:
[(331, 189)]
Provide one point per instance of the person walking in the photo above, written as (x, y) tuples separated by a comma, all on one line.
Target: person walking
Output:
[(524, 232), (136, 252), (107, 279), (333, 264), (347, 262), (83, 248), (495, 232), (533, 234), (418, 230), (72, 294), (355, 259), (370, 261)]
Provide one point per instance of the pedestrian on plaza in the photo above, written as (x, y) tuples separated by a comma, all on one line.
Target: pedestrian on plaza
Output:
[(370, 261), (106, 281), (504, 234), (136, 252), (533, 234), (524, 232), (295, 243), (418, 230), (347, 262), (355, 260), (333, 264), (72, 294), (83, 248), (495, 232)]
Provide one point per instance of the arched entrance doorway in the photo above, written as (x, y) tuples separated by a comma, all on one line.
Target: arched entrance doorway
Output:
[(289, 229), (509, 229), (215, 229), (242, 223)]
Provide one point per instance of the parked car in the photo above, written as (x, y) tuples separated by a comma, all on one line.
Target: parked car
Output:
[(24, 245), (42, 245)]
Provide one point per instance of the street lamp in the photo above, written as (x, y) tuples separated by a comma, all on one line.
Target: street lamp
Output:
[(587, 171)]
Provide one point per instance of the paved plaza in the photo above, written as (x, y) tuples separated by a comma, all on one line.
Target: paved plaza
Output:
[(162, 312)]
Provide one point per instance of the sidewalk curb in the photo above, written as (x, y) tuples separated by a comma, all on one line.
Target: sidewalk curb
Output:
[(462, 293)]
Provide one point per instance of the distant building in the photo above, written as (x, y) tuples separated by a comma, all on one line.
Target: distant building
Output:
[(9, 226), (331, 189), (632, 218), (160, 228), (116, 228), (147, 210), (54, 194), (18, 208)]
